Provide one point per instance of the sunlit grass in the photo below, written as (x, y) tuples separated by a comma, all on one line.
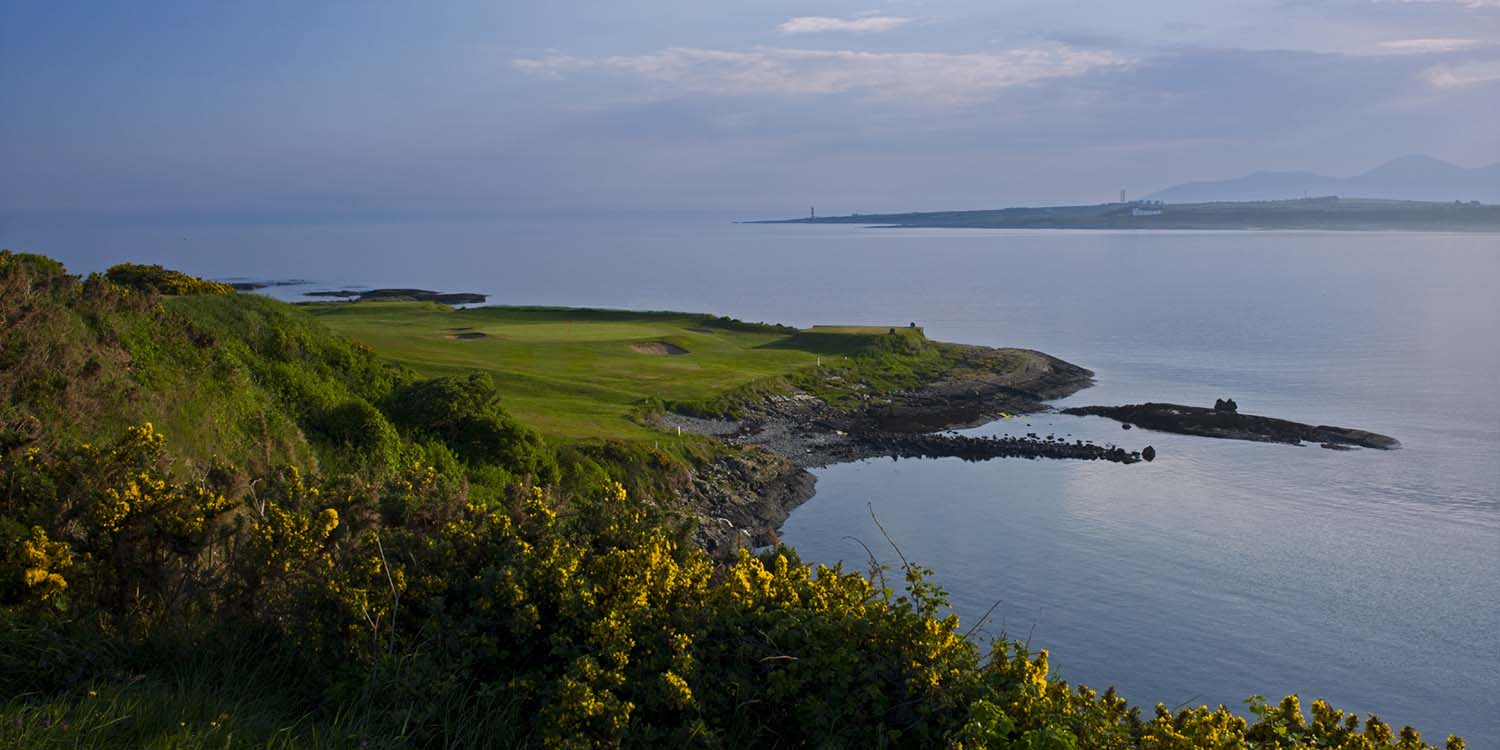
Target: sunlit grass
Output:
[(579, 374)]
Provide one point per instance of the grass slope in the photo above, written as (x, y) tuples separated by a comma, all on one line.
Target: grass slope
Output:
[(86, 358), (580, 374), (243, 378)]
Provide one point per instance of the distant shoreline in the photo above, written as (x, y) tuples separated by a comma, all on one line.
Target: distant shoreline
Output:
[(1327, 214)]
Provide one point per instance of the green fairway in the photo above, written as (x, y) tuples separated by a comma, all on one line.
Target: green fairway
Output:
[(861, 330), (577, 373)]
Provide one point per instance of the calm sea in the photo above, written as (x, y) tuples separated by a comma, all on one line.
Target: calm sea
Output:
[(1220, 570)]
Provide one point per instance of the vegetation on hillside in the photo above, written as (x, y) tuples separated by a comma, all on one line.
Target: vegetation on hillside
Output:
[(154, 278), (241, 378), (405, 614), (437, 574)]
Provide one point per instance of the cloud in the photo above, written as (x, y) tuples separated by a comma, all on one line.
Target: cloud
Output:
[(926, 76), (1428, 45), (1459, 76), (864, 24)]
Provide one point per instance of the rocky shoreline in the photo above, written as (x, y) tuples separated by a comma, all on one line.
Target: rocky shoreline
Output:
[(987, 384), (742, 499)]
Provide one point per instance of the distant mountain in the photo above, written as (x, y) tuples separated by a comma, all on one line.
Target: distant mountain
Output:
[(1418, 178)]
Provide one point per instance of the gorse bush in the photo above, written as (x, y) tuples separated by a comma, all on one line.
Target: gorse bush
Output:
[(64, 357), (406, 613), (155, 278), (106, 526)]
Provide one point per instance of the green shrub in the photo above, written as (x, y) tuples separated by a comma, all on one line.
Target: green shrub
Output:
[(465, 414), (361, 430)]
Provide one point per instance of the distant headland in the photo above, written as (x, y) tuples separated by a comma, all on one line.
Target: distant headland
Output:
[(1327, 213)]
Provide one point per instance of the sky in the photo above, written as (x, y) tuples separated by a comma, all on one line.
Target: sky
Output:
[(371, 110)]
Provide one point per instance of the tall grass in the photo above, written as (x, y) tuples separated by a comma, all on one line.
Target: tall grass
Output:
[(246, 695)]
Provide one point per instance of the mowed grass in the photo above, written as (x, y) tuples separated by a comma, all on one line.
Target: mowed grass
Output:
[(864, 330), (578, 374)]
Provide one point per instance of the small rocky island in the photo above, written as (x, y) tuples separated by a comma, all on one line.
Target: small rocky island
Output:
[(253, 286), (365, 295), (1225, 421), (403, 295)]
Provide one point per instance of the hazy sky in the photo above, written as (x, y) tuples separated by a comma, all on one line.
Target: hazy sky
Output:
[(455, 108)]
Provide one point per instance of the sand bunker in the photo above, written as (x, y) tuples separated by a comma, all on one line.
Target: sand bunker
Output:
[(467, 335), (658, 349)]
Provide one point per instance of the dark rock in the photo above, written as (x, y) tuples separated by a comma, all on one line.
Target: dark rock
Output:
[(1124, 425), (250, 286), (1226, 423), (740, 500), (1148, 453), (404, 295), (932, 445)]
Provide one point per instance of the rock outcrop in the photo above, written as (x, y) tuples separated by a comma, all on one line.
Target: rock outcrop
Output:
[(739, 500), (1229, 423), (404, 295)]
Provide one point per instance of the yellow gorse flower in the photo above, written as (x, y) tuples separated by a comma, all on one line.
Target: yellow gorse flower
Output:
[(42, 561)]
